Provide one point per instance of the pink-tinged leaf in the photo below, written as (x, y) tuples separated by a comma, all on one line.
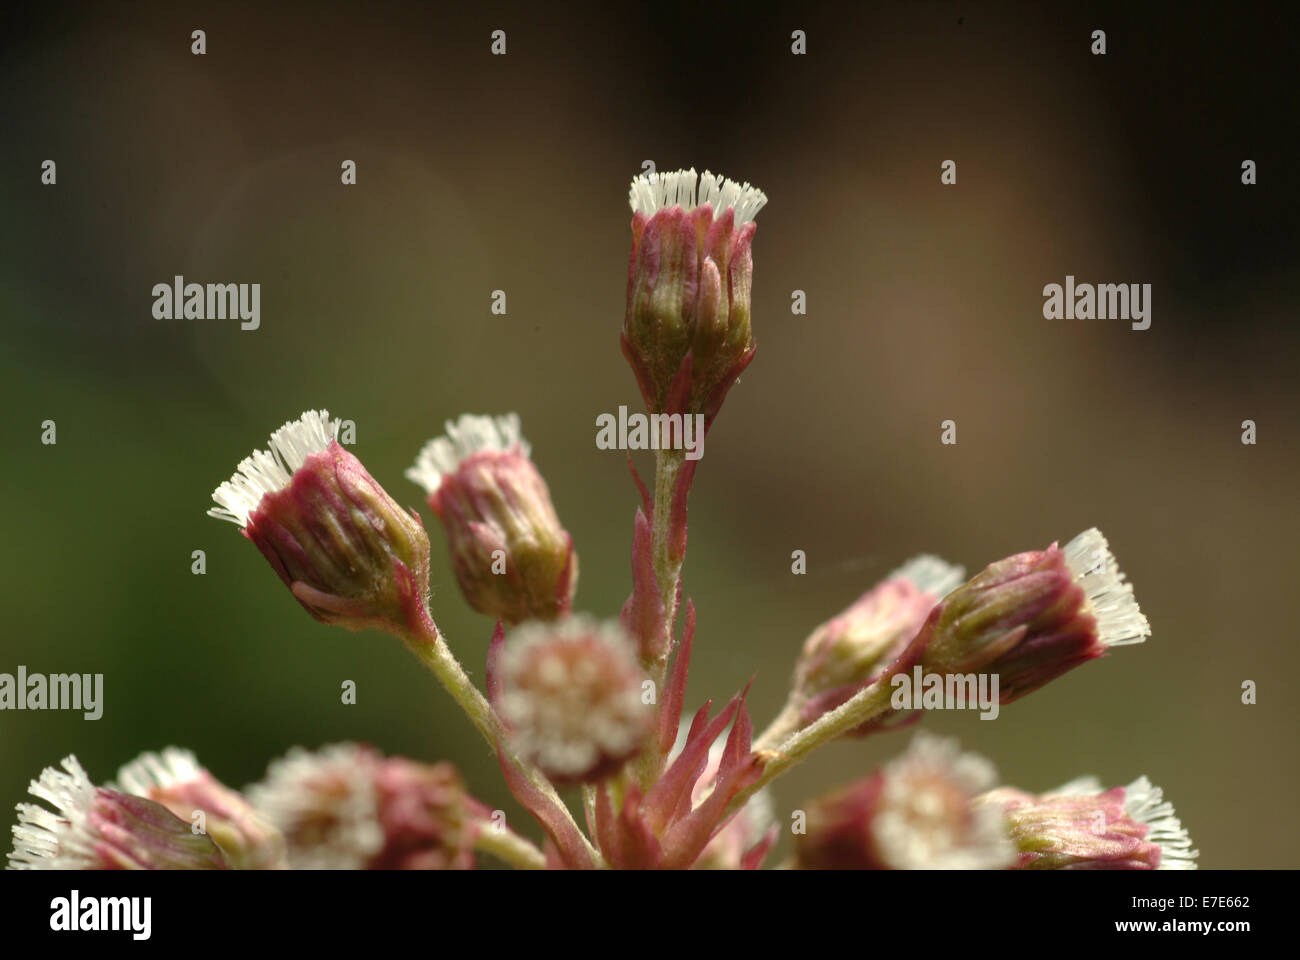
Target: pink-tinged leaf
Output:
[(646, 503), (673, 791), (563, 594), (713, 403), (677, 513), (644, 381), (562, 831), (493, 680), (643, 615), (674, 694), (754, 856), (607, 832), (662, 800), (739, 768), (679, 390), (640, 847)]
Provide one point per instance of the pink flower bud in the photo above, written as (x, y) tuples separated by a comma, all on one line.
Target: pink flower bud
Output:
[(97, 828), (918, 812), (688, 289), (349, 553), (346, 807), (175, 779), (1034, 616), (1080, 827), (513, 559), (850, 649), (572, 697)]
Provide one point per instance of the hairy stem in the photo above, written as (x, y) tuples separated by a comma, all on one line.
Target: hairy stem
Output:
[(786, 724), (668, 573), (506, 845), (868, 704), (430, 649)]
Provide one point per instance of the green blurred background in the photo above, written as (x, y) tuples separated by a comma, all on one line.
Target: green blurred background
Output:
[(478, 173)]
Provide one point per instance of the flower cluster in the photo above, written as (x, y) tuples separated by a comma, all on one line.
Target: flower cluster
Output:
[(571, 699)]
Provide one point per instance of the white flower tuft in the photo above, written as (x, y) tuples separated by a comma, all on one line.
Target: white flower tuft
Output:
[(325, 804), (441, 456), (927, 818), (1110, 599), (652, 192), (267, 471), (56, 841), (151, 772), (1145, 803), (929, 574), (577, 709)]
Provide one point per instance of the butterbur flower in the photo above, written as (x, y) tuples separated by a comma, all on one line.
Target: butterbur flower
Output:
[(850, 649), (688, 288), (917, 812), (349, 553), (513, 559), (98, 828), (1034, 616), (346, 807), (1082, 827), (175, 779), (571, 697)]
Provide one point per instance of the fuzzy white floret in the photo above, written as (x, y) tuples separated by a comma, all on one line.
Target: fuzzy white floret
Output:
[(652, 192), (443, 455), (268, 471), (1110, 598)]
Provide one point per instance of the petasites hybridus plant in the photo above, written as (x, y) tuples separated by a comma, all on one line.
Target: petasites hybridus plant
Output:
[(575, 701)]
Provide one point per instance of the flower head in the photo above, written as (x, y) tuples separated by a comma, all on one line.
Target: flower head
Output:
[(346, 807), (917, 812), (97, 828), (1081, 827), (687, 329), (850, 649), (348, 552), (1034, 616), (571, 697), (513, 559), (175, 779)]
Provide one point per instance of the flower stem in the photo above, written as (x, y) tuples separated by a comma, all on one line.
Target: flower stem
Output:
[(506, 845), (430, 649), (867, 705), (786, 724)]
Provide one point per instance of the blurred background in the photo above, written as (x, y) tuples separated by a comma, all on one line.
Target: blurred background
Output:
[(478, 172)]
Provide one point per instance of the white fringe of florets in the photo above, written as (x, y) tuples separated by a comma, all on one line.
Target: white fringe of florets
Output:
[(56, 841), (1146, 803), (929, 574), (1110, 599), (443, 455), (267, 471), (152, 772), (914, 827), (652, 192), (332, 794)]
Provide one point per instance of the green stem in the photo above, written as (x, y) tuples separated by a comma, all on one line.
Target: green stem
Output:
[(506, 845), (431, 650), (867, 705), (786, 724), (668, 572)]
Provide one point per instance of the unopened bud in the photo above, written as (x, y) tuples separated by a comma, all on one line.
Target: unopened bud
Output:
[(513, 559), (98, 828), (349, 553)]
